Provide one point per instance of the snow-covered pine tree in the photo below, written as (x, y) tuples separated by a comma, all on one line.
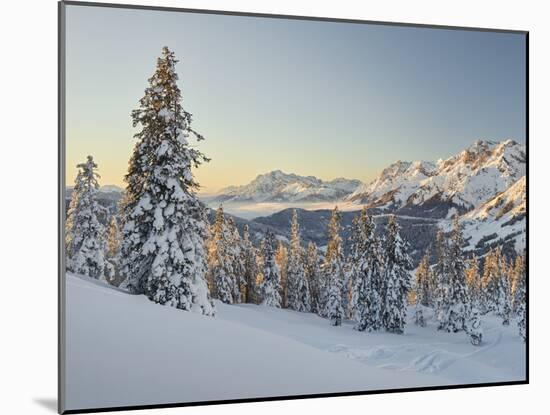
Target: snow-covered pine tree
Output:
[(354, 260), (220, 261), (456, 306), (423, 289), (297, 284), (495, 286), (396, 279), (281, 259), (473, 281), (112, 251), (250, 267), (366, 269), (271, 284), (84, 243), (334, 269), (517, 274), (164, 224), (473, 327), (347, 290), (520, 296), (487, 282), (504, 304), (424, 281), (441, 278), (314, 277), (236, 257)]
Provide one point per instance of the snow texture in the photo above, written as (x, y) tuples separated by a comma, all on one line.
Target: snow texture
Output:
[(250, 351)]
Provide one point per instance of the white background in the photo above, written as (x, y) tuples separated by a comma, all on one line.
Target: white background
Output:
[(28, 204)]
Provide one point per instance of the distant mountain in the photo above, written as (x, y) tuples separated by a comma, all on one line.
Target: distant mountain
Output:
[(460, 183), (277, 186)]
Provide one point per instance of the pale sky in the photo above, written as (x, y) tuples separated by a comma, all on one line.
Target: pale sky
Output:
[(312, 98)]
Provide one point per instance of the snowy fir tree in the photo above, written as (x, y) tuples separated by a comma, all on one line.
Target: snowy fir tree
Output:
[(424, 281), (423, 290), (488, 282), (495, 284), (473, 327), (473, 281), (396, 279), (347, 290), (220, 263), (334, 270), (298, 297), (113, 250), (517, 274), (251, 271), (441, 278), (271, 284), (84, 243), (520, 295), (455, 308), (237, 261), (281, 259), (314, 277), (356, 247), (164, 224), (366, 274)]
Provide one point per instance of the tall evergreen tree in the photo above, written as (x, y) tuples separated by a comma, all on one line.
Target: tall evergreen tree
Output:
[(113, 250), (314, 277), (164, 224), (366, 274), (473, 327), (424, 281), (250, 267), (520, 296), (517, 274), (473, 281), (237, 261), (297, 283), (396, 279), (271, 284), (441, 278), (84, 244), (495, 285), (281, 259), (334, 269), (455, 310), (220, 261), (423, 289)]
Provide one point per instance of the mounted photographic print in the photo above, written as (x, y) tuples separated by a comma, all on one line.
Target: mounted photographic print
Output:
[(259, 207)]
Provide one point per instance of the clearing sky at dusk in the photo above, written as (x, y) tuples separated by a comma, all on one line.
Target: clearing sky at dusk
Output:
[(313, 98)]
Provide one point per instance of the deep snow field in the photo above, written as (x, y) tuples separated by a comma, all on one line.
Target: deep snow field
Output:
[(124, 350)]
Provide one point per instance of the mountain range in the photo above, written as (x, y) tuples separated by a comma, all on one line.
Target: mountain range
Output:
[(485, 184), (277, 186), (439, 189)]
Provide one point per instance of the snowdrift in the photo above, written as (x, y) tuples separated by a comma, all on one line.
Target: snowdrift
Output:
[(124, 350)]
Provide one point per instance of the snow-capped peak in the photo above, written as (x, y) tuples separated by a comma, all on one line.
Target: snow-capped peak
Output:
[(463, 181), (278, 186)]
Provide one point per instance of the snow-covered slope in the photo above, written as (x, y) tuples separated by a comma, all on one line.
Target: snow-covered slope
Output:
[(460, 183), (125, 350), (277, 186), (500, 218)]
